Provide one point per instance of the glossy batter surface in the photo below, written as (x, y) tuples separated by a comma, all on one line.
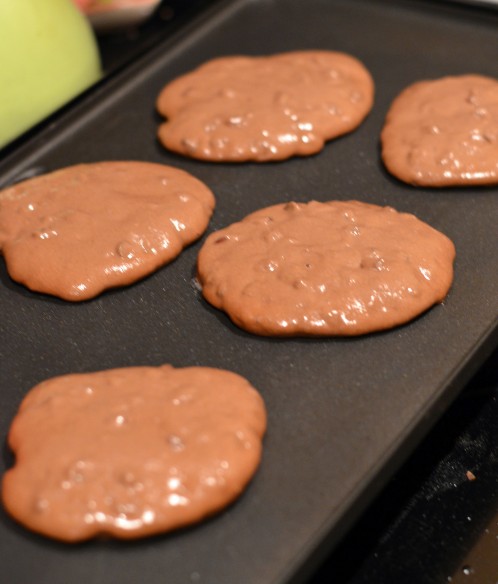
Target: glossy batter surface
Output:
[(444, 132), (78, 231), (336, 268), (132, 452), (264, 108)]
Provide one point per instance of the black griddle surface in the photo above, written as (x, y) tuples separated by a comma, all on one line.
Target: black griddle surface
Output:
[(343, 413)]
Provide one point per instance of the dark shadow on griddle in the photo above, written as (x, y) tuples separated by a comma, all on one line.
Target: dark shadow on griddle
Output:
[(356, 561)]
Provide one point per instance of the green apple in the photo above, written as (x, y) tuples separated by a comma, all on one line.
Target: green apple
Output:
[(48, 55)]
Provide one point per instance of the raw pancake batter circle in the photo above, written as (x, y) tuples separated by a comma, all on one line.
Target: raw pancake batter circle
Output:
[(444, 133), (335, 268), (78, 231), (264, 108), (132, 452)]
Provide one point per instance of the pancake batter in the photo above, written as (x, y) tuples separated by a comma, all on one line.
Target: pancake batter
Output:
[(444, 133), (132, 452), (336, 268), (264, 108), (78, 231)]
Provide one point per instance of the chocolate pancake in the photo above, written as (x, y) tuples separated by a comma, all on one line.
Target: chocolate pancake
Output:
[(336, 268), (264, 108), (78, 231), (444, 133), (132, 452)]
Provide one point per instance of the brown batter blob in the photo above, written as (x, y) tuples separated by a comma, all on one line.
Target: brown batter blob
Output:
[(336, 268), (132, 452), (444, 132), (264, 108), (78, 231)]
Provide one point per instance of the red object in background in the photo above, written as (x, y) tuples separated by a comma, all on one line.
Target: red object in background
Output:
[(83, 4), (90, 6), (114, 15)]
